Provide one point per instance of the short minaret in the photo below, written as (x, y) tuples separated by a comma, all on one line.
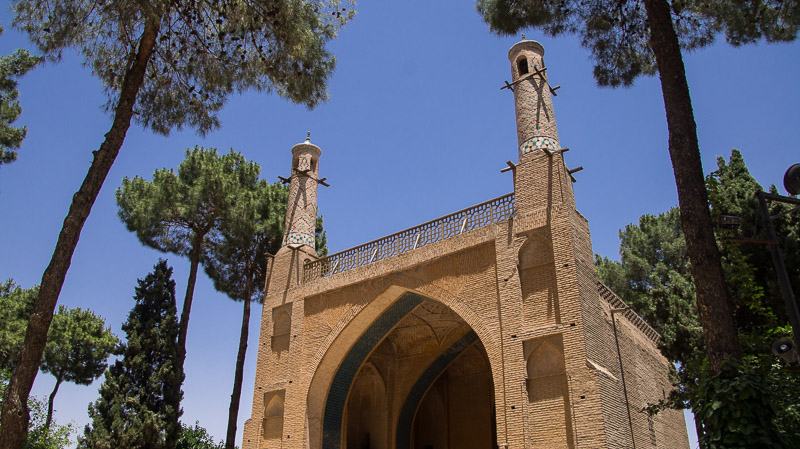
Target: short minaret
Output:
[(301, 209), (536, 122)]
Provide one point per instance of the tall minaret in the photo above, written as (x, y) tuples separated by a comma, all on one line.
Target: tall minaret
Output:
[(541, 178), (301, 209), (536, 122)]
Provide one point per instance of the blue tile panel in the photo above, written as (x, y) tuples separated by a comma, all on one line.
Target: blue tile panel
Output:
[(299, 238), (343, 379), (406, 418), (537, 143)]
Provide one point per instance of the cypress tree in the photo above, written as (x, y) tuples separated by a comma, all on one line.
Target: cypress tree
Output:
[(139, 402)]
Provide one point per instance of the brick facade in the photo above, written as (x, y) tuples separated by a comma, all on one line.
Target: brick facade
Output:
[(486, 328)]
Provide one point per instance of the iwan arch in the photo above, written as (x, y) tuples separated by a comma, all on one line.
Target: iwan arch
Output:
[(486, 328)]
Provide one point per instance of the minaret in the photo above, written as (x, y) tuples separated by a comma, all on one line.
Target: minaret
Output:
[(536, 122), (301, 209), (542, 181)]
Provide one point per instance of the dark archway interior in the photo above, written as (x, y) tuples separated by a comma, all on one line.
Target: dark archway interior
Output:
[(426, 385)]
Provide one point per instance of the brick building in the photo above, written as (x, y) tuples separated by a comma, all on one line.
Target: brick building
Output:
[(486, 328)]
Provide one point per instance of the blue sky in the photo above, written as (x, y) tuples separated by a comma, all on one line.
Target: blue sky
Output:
[(416, 127)]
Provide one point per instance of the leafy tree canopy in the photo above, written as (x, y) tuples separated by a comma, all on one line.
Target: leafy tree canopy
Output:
[(171, 212), (11, 68), (205, 50), (16, 305), (618, 36), (78, 347), (182, 213), (196, 437)]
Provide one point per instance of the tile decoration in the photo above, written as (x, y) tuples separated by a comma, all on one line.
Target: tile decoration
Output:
[(538, 143), (343, 379)]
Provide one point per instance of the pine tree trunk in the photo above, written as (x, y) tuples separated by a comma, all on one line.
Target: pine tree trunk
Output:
[(15, 411), (194, 260), (233, 410), (713, 298), (50, 403)]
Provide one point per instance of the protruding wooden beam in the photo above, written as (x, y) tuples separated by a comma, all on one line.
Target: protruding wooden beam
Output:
[(511, 166), (576, 169)]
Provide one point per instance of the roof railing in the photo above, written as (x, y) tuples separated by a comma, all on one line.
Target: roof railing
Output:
[(474, 217), (617, 303)]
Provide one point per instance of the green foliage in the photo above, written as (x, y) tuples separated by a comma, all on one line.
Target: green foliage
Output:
[(252, 227), (196, 438), (735, 408), (654, 278), (175, 213), (749, 268), (205, 50), (139, 402), (40, 435), (320, 238), (11, 68), (78, 346), (16, 305), (618, 36)]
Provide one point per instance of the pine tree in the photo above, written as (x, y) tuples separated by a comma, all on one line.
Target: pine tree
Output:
[(78, 346), (139, 402), (11, 68), (180, 213)]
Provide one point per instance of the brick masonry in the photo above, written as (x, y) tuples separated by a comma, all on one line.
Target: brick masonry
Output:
[(497, 335)]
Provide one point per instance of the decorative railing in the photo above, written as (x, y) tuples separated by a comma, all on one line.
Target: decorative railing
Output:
[(617, 303), (464, 220)]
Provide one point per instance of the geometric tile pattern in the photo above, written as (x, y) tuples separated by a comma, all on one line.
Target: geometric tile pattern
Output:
[(343, 379), (406, 418), (538, 143)]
